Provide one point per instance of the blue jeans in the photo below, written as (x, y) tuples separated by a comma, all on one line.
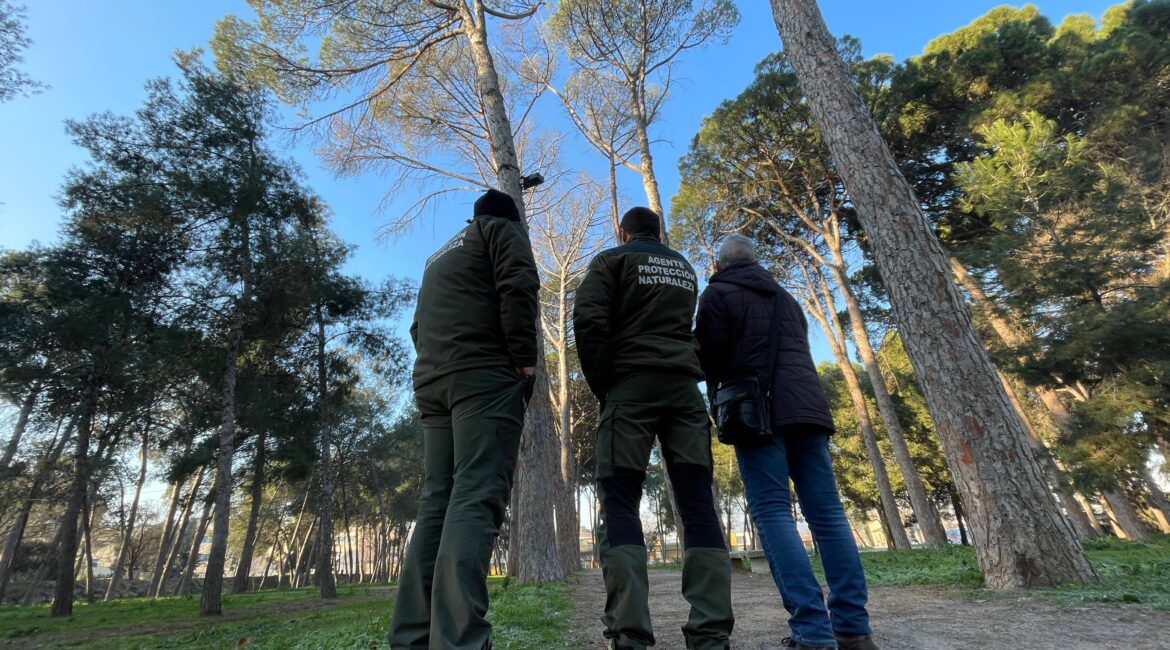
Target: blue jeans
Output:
[(765, 471)]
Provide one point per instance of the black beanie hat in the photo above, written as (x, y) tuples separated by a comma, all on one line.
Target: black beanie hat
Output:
[(642, 221), (495, 203)]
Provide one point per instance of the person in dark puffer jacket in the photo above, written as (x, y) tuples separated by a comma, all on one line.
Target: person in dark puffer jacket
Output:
[(732, 328)]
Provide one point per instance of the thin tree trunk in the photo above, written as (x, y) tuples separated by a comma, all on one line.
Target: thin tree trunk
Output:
[(16, 532), (568, 541), (646, 160), (920, 503), (244, 570), (613, 195), (957, 504), (184, 588), (1021, 538), (180, 537), (325, 533), (87, 523), (211, 599), (127, 539), (1125, 515), (165, 539), (63, 593), (26, 409)]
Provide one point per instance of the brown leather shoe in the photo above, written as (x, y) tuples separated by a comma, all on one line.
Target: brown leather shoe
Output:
[(855, 642)]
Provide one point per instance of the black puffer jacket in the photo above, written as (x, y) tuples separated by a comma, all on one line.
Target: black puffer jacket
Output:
[(735, 311)]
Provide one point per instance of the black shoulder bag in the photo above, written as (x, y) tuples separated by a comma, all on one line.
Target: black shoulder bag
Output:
[(743, 407)]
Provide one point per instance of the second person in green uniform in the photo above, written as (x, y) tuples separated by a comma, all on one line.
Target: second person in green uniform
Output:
[(632, 322)]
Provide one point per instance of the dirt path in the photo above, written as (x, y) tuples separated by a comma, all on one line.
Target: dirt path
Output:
[(904, 618)]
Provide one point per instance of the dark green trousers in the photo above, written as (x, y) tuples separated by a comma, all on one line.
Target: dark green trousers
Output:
[(637, 409), (471, 422)]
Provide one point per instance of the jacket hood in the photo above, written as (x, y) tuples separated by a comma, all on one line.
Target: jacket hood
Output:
[(749, 275)]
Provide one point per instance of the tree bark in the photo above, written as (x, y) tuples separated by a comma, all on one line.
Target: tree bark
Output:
[(63, 593), (325, 532), (26, 409), (645, 159), (1125, 516), (127, 539), (244, 570), (536, 540), (165, 540), (180, 533), (568, 542), (211, 600), (1021, 538)]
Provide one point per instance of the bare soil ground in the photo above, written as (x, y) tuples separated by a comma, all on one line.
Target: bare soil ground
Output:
[(904, 618)]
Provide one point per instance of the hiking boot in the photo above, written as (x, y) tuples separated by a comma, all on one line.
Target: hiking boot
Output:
[(788, 643), (855, 642)]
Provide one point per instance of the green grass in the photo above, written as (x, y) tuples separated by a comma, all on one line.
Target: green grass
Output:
[(524, 616), (1130, 572)]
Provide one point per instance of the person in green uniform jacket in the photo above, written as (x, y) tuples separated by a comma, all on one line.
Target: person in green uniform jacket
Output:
[(632, 321), (474, 335)]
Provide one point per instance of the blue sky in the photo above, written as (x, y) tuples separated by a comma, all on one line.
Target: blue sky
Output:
[(96, 56)]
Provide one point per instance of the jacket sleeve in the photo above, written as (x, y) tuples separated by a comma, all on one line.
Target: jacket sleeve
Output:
[(712, 334), (591, 324), (517, 285)]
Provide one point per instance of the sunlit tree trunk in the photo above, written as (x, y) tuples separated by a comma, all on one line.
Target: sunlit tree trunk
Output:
[(1021, 538), (128, 536), (1125, 516), (240, 584), (184, 588)]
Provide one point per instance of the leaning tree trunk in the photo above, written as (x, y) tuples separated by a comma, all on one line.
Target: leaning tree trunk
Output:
[(128, 538), (63, 593), (924, 510), (325, 532), (1158, 502), (167, 538), (1125, 515), (830, 323), (16, 532), (26, 409), (211, 600), (184, 588), (1021, 539), (244, 570), (1014, 336), (534, 544)]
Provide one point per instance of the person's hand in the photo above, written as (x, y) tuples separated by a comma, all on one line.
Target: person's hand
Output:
[(526, 373)]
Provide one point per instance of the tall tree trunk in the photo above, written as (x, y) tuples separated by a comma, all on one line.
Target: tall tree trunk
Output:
[(645, 159), (614, 214), (1125, 515), (26, 409), (184, 588), (211, 599), (16, 532), (1021, 538), (325, 532), (244, 570), (128, 537), (1014, 336), (568, 539), (924, 510), (63, 593), (536, 540)]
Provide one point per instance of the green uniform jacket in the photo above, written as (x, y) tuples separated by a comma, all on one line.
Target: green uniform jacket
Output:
[(633, 313), (477, 303)]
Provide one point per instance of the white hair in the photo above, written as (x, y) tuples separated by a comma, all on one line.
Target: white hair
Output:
[(736, 249)]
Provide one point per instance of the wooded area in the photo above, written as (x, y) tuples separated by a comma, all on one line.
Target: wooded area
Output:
[(981, 234)]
